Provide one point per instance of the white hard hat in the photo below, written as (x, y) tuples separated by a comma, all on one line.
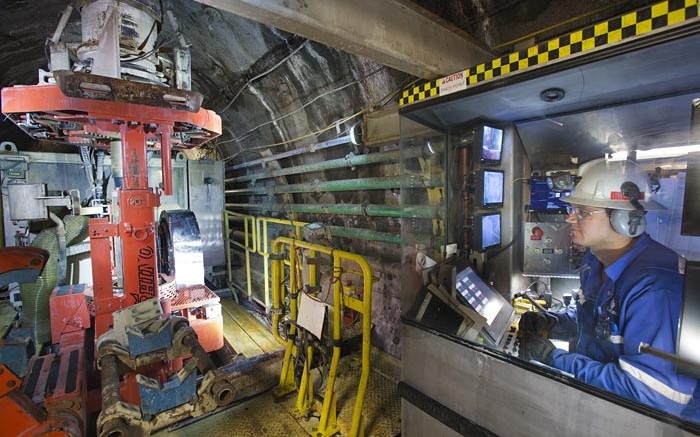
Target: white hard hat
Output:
[(601, 186)]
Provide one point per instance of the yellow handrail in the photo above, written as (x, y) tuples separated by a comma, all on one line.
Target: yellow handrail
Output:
[(324, 428), (249, 246), (262, 246)]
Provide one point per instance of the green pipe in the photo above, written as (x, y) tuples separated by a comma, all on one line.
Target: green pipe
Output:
[(415, 211), (381, 183), (349, 161), (385, 237)]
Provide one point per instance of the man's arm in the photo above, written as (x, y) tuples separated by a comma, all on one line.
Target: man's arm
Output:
[(648, 316)]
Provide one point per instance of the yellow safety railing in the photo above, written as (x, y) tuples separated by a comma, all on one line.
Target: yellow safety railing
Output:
[(248, 246), (262, 241), (327, 424)]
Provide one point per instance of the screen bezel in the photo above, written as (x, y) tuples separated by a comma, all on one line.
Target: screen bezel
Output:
[(497, 328), (479, 144), (688, 324), (690, 224), (543, 179), (477, 236), (480, 184)]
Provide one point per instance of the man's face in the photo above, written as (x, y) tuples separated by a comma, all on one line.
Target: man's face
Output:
[(590, 226)]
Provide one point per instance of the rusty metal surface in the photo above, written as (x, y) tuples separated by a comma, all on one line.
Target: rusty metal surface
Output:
[(263, 416), (91, 86)]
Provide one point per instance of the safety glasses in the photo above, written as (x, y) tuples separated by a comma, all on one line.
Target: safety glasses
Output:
[(582, 214)]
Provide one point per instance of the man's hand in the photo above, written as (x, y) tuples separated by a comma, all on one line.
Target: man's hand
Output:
[(533, 322), (532, 331), (535, 347)]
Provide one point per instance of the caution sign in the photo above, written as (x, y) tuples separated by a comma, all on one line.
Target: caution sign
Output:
[(453, 83)]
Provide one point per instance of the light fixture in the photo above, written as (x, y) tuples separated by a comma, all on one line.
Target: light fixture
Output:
[(660, 152), (551, 95)]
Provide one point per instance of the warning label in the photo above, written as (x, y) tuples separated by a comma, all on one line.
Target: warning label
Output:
[(453, 83)]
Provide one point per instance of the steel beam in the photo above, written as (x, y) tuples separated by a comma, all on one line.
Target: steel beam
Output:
[(396, 33)]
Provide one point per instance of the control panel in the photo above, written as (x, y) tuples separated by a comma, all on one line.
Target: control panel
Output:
[(548, 250), (510, 343)]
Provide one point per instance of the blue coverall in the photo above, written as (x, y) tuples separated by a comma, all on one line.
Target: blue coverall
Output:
[(638, 302)]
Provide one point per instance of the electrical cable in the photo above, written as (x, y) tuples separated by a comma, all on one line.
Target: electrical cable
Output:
[(539, 281), (318, 132), (380, 103), (516, 237), (547, 314), (269, 70), (274, 120)]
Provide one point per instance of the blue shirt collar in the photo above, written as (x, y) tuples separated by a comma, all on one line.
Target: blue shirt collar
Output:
[(615, 269)]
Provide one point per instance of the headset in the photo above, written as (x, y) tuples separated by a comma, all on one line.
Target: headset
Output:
[(630, 223)]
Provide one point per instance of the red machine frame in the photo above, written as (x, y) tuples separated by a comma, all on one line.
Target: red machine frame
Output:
[(136, 124)]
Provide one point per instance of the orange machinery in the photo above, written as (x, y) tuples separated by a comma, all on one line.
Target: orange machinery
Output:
[(86, 109)]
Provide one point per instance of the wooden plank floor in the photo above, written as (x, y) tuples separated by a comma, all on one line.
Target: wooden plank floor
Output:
[(246, 334)]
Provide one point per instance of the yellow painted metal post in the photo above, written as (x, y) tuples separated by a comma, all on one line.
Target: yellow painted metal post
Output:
[(266, 258), (286, 384), (305, 396), (328, 425), (357, 428), (227, 240), (247, 257)]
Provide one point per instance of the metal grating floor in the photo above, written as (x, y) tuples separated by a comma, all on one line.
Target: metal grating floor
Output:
[(264, 416)]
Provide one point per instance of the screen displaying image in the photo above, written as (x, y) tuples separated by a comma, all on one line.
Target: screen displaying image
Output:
[(491, 144), (490, 230), (478, 295), (493, 188), (486, 301), (545, 198)]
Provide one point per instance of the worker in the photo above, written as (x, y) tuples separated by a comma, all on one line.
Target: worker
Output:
[(631, 292)]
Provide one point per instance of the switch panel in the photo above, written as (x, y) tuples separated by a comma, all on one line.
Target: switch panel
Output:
[(548, 250)]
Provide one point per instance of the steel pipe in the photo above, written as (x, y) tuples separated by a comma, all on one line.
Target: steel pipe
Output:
[(380, 183), (414, 211), (310, 148), (366, 234), (349, 161), (109, 378)]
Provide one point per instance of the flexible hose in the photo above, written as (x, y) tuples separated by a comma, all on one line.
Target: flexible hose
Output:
[(62, 261), (35, 296)]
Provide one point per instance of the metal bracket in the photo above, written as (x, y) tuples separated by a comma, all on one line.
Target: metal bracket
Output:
[(90, 86)]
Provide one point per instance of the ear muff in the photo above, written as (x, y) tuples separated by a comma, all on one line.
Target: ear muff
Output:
[(628, 223), (625, 222)]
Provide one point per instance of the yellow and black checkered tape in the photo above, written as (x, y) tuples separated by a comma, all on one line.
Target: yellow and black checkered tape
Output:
[(654, 17)]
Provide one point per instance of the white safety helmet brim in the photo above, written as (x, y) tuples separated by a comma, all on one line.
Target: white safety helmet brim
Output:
[(649, 205), (601, 184)]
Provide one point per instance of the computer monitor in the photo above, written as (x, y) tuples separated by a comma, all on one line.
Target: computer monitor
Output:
[(488, 142), (689, 324), (486, 231), (489, 188), (486, 301), (544, 197)]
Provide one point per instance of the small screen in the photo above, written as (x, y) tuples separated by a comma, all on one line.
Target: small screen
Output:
[(486, 301), (493, 188), (543, 197), (490, 230), (491, 144)]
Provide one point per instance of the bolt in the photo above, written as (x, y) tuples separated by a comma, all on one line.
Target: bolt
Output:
[(10, 384)]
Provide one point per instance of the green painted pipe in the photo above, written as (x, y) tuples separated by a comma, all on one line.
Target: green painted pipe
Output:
[(349, 161), (385, 237), (381, 183), (416, 211)]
